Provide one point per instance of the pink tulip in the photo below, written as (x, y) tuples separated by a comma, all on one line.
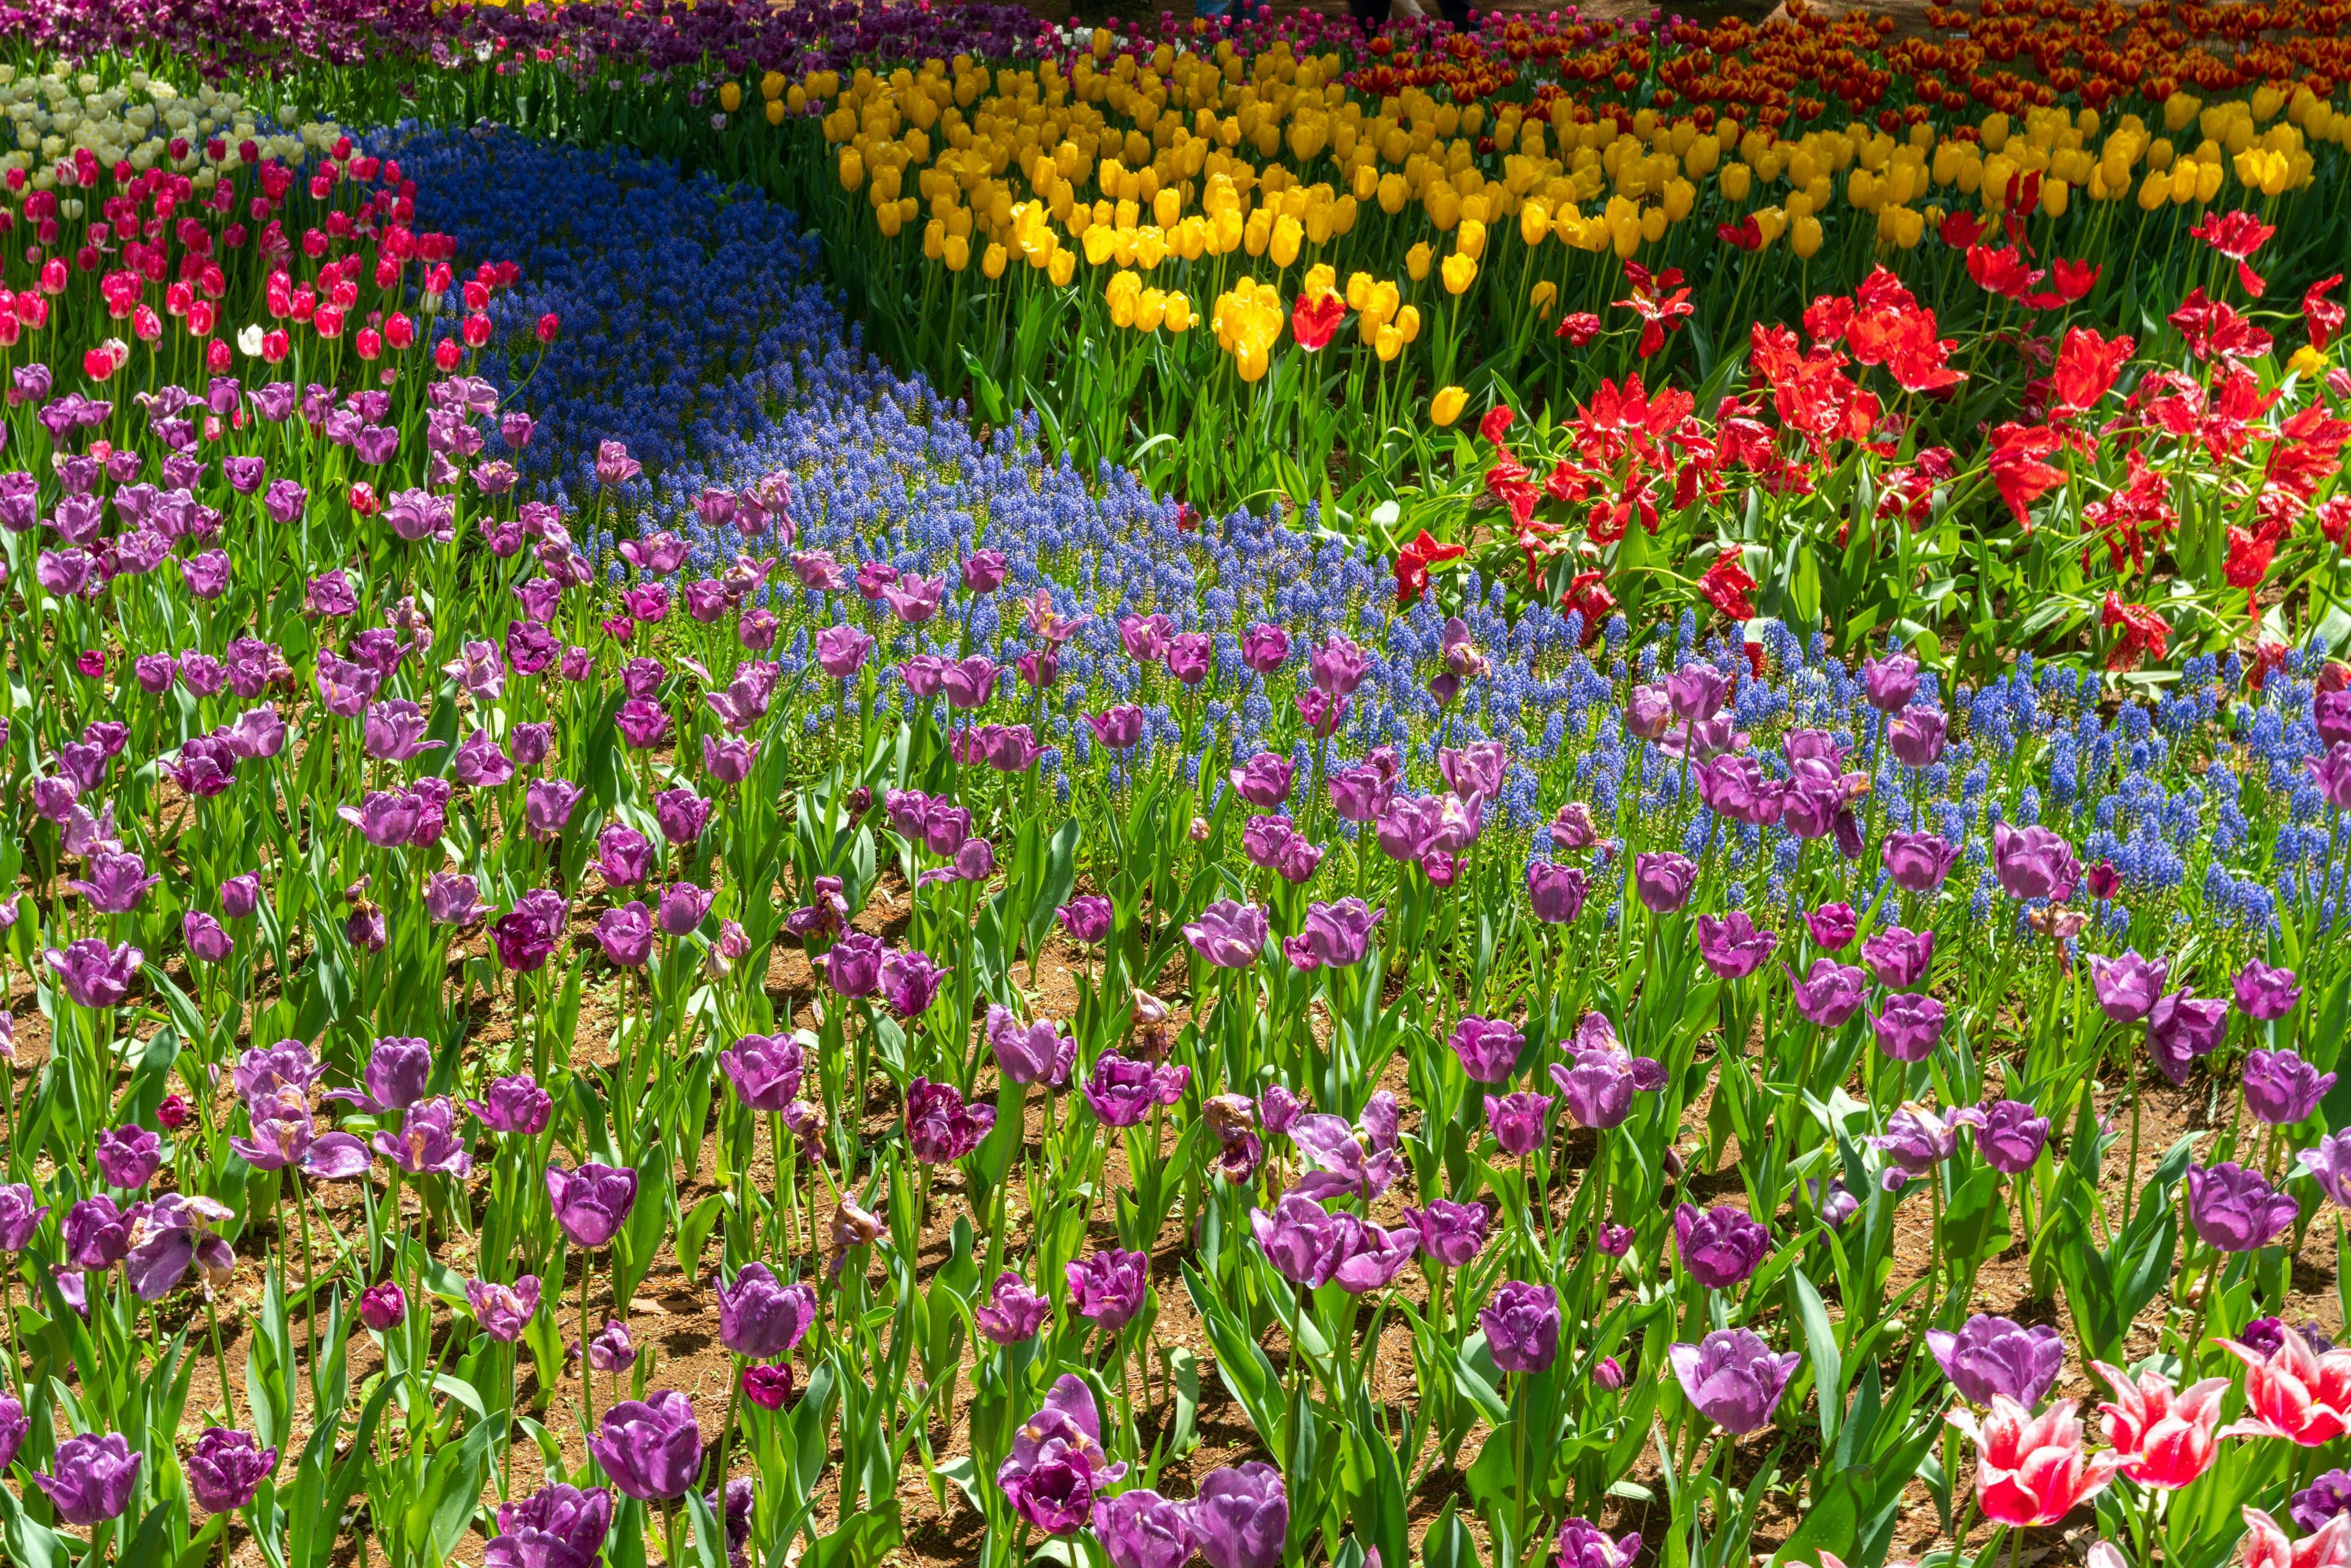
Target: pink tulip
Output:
[(2265, 1545), (2294, 1393), (2031, 1469), (2164, 1438)]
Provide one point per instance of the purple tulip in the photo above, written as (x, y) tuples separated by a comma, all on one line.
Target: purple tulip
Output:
[(652, 1449), (765, 1070), (2329, 1495), (2264, 993), (2129, 987), (1918, 862), (1915, 737), (94, 975), (1731, 946), (1732, 1378), (1908, 1026), (1663, 882), (940, 1127), (2034, 862), (2234, 1210), (761, 1318), (1517, 1121), (97, 1234), (1887, 684), (383, 1306), (13, 1427), (168, 1237), (2281, 1088), (224, 1468), (1229, 934), (1720, 1246), (504, 1310), (129, 1156), (1991, 1355), (1899, 959), (2007, 1134), (1361, 1161), (428, 1140), (2329, 1163), (20, 1216), (1087, 917), (1264, 780), (591, 1203), (682, 908), (2181, 1028), (1598, 1085), (1556, 891), (1300, 1238), (95, 1476), (1108, 1287), (1014, 1312), (1241, 1516), (1028, 1053), (1057, 1463), (1829, 994), (910, 981), (1520, 1322), (514, 1105), (1451, 1234), (1916, 1140), (625, 932), (1140, 1528), (854, 967), (1122, 1091), (560, 1527), (1489, 1049)]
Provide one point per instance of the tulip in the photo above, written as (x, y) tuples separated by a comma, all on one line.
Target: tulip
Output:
[(2234, 1210), (2166, 1438), (94, 1477), (1014, 1312), (758, 1317), (1108, 1287), (1720, 1247), (225, 1469), (1241, 1516), (765, 1071), (1520, 1322), (2127, 987), (591, 1203), (1990, 1356), (2282, 1089), (1057, 1463), (560, 1527), (652, 1449), (2265, 1545), (2293, 1393), (1732, 1378), (2031, 1470), (1140, 1528)]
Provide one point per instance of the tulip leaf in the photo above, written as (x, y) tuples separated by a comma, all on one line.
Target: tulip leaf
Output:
[(1828, 1360)]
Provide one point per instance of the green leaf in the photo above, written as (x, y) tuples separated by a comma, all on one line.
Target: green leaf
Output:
[(1828, 1359)]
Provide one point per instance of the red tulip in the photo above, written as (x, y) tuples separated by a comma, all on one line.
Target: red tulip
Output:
[(2265, 1545)]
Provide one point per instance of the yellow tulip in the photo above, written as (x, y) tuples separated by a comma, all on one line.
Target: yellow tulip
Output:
[(1415, 262), (1321, 279), (1469, 239), (992, 260), (730, 97), (955, 251), (775, 112), (1543, 294), (1459, 272), (1407, 323), (1387, 343), (772, 84), (1359, 289), (1179, 313), (1447, 405), (1288, 234), (1063, 267), (852, 169), (2306, 362), (1736, 180)]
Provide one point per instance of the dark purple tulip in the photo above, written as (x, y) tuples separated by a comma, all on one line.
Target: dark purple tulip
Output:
[(1520, 1322), (1731, 946), (1908, 1026), (650, 1448), (1915, 737), (560, 1527), (383, 1306), (1991, 1355), (1556, 891), (2034, 862), (1917, 861), (765, 1070), (1663, 882), (95, 1475), (1899, 959), (1014, 1312), (1241, 1516), (1057, 1461), (504, 1310), (2281, 1088), (14, 1425), (610, 1349), (592, 1203), (2129, 987), (1108, 1287), (2007, 1134), (761, 1318), (1732, 1378), (2234, 1210), (2330, 1164), (128, 1156), (1140, 1528), (1829, 994), (2264, 993), (1121, 1091), (1720, 1246), (1451, 1234), (682, 908), (1517, 1121), (224, 1468), (1339, 936), (2330, 1495), (1887, 684), (1298, 1238), (940, 1127), (515, 1105), (1581, 1544), (19, 1218), (1489, 1049)]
